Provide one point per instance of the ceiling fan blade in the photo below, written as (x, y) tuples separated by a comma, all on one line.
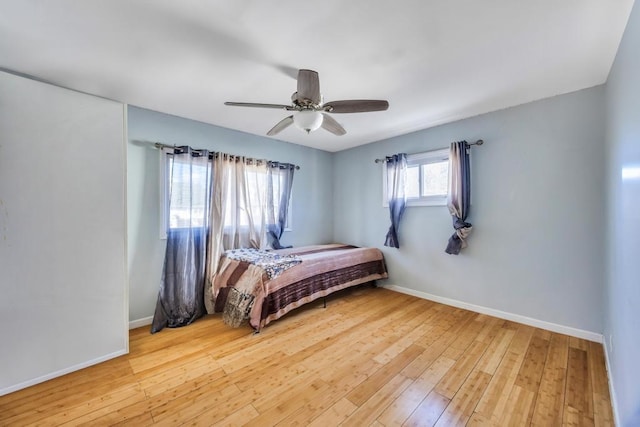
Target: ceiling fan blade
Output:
[(331, 125), (355, 106), (308, 87), (282, 124), (257, 105)]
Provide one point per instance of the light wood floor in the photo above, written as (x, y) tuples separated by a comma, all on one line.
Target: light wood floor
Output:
[(372, 357)]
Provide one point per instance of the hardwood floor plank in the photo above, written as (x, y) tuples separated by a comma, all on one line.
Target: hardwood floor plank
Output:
[(574, 418), (371, 385), (173, 377), (409, 332), (201, 408), (372, 357), (495, 398), (141, 420), (597, 369), (578, 343), (477, 420), (180, 393), (428, 412), (368, 411), (531, 370), (265, 397), (463, 403), (579, 390), (550, 400), (602, 412), (239, 418), (465, 337), (497, 347), (102, 411), (289, 404), (519, 407), (446, 329), (451, 321), (91, 408), (345, 379), (458, 373), (410, 399), (315, 408), (335, 415)]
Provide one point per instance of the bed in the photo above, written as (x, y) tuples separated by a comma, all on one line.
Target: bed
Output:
[(248, 286)]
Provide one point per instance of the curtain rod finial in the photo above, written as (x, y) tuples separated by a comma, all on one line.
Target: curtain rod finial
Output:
[(478, 142)]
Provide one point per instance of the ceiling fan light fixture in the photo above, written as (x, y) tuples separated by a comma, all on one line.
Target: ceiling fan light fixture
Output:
[(308, 120), (310, 112)]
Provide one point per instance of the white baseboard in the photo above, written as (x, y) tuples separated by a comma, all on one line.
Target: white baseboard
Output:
[(612, 389), (140, 322), (61, 372), (567, 330)]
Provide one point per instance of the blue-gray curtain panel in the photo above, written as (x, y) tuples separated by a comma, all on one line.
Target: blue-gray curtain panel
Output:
[(279, 181), (181, 296), (396, 166), (459, 196)]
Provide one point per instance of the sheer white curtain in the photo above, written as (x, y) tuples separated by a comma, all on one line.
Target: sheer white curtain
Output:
[(238, 211)]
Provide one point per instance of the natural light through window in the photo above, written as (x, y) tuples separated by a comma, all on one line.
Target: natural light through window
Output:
[(435, 179), (177, 204), (188, 196), (427, 180)]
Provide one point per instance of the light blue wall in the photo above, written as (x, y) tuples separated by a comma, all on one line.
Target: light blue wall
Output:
[(622, 293), (537, 209), (312, 198)]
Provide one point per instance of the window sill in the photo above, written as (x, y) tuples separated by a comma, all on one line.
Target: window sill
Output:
[(423, 202)]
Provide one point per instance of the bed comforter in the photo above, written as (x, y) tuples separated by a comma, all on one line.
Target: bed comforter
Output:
[(323, 269)]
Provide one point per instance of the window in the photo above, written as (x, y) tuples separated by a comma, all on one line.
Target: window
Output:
[(188, 191), (427, 180), (257, 188), (174, 215)]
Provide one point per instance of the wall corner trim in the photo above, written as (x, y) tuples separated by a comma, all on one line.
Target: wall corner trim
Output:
[(612, 389), (138, 323), (567, 330)]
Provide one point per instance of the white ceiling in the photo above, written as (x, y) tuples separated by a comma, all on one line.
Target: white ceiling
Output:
[(434, 61)]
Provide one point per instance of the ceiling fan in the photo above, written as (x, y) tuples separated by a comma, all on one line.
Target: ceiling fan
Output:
[(311, 112)]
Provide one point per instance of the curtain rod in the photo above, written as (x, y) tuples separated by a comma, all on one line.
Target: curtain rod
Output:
[(173, 147), (469, 144)]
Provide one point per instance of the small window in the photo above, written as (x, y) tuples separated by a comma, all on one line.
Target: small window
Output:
[(427, 181)]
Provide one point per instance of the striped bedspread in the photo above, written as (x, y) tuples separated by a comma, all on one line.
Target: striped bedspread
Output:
[(324, 269)]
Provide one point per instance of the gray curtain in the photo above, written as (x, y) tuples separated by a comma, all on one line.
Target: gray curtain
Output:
[(396, 176), (181, 296), (459, 197), (279, 182)]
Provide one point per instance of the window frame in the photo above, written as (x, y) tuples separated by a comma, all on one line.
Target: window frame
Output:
[(419, 159)]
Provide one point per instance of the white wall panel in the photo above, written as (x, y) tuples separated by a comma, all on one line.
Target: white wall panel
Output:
[(63, 287)]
